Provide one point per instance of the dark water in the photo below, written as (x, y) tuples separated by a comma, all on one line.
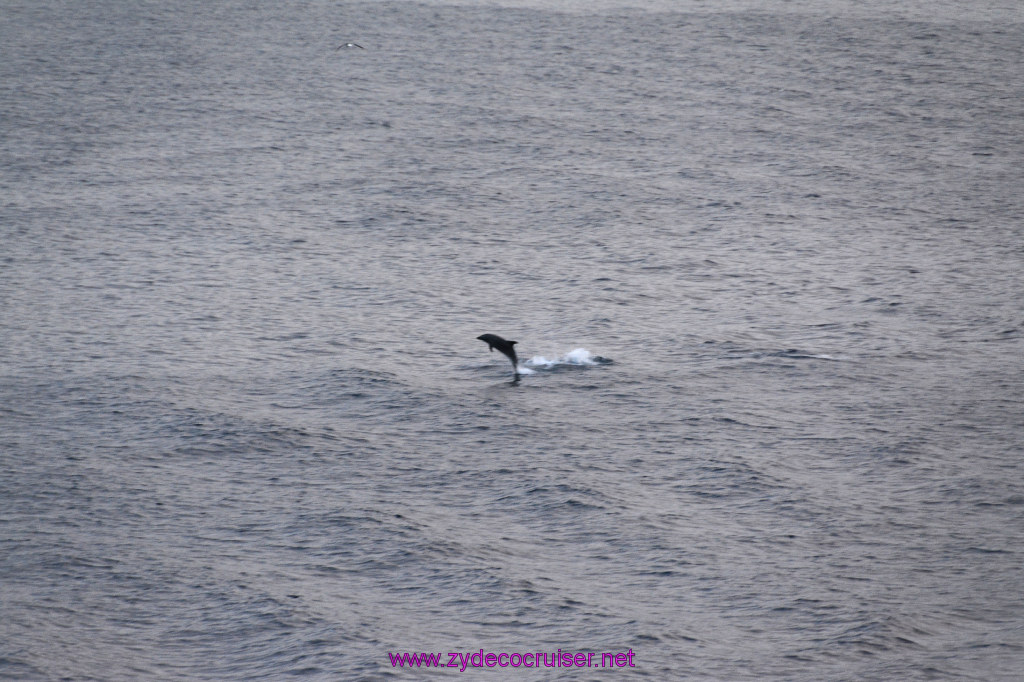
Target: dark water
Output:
[(247, 431)]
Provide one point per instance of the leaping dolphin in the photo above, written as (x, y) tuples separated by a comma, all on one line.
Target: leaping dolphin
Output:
[(506, 347)]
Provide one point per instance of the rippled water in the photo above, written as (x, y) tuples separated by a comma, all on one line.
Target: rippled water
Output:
[(763, 262)]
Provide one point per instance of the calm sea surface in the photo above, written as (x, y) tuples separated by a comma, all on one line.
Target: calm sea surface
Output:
[(764, 262)]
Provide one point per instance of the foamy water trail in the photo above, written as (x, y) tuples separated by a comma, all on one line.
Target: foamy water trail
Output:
[(577, 356)]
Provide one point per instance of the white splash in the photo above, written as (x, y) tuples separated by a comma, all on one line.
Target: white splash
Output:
[(577, 356)]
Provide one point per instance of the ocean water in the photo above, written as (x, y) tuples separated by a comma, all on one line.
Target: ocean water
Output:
[(764, 262)]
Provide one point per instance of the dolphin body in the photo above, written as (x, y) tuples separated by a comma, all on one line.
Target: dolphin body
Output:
[(506, 347)]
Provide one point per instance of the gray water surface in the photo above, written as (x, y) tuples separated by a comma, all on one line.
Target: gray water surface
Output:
[(764, 263)]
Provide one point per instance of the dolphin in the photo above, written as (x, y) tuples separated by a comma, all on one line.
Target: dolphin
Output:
[(506, 347)]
